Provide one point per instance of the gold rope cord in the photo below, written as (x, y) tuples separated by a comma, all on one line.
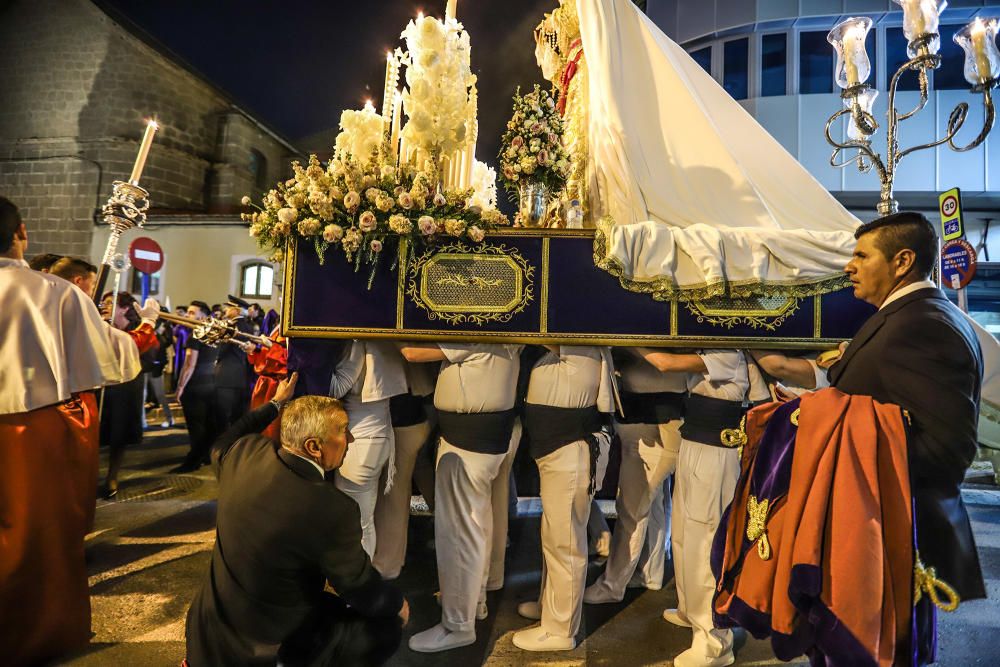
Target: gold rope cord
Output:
[(925, 581)]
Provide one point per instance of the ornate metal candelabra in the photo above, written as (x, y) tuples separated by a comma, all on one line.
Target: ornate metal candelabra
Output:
[(920, 24), (125, 210)]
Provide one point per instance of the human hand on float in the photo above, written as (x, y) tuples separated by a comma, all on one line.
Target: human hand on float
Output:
[(286, 388), (149, 311)]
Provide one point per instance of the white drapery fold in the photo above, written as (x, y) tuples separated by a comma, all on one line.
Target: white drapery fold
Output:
[(699, 193)]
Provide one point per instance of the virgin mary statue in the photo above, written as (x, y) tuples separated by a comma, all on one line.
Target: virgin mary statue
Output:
[(691, 197)]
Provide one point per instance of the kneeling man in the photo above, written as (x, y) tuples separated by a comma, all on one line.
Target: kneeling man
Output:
[(283, 531)]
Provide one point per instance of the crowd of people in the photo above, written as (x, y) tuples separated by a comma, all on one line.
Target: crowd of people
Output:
[(316, 489)]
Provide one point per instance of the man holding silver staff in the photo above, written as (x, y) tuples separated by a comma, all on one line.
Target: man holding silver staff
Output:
[(55, 350)]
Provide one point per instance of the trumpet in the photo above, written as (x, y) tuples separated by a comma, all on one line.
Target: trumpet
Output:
[(213, 331)]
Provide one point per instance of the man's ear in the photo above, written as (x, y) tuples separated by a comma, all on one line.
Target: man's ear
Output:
[(21, 233), (312, 447), (903, 262)]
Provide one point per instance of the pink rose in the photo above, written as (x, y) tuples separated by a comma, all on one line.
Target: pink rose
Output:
[(553, 139), (536, 128), (439, 199), (426, 225), (367, 221), (543, 157), (405, 200), (517, 141), (376, 245), (476, 234)]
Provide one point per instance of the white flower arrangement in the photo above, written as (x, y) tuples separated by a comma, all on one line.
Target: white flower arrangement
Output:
[(438, 76), (484, 187), (532, 149), (361, 133)]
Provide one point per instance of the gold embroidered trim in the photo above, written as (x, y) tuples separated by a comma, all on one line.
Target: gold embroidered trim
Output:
[(663, 288), (735, 437), (925, 581), (757, 526), (795, 417)]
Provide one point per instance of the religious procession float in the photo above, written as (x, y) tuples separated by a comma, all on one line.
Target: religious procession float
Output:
[(652, 208)]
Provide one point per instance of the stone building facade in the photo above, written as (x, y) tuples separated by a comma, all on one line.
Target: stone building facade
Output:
[(77, 87)]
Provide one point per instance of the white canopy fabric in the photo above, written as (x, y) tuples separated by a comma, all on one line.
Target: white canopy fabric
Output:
[(696, 198)]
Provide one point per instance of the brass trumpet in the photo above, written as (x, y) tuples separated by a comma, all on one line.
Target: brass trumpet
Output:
[(213, 331)]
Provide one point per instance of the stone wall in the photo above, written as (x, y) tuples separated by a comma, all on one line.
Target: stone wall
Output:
[(77, 87)]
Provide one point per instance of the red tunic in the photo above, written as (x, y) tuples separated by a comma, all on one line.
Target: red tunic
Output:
[(48, 473), (144, 337), (271, 364)]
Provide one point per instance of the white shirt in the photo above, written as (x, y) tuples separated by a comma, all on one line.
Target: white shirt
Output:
[(570, 378), (53, 342), (369, 374), (903, 291), (726, 376), (477, 377), (641, 377)]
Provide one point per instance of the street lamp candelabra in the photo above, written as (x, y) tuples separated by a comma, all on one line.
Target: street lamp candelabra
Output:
[(920, 26)]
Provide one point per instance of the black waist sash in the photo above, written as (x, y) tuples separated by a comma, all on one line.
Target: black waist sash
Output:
[(550, 427), (705, 418), (657, 407), (406, 410), (481, 432)]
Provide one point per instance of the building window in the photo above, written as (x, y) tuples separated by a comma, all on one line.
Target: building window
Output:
[(816, 73), (950, 76), (735, 68), (895, 56), (704, 58), (154, 282), (773, 64), (257, 280), (258, 169)]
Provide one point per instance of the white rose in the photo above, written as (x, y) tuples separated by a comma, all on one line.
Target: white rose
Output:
[(288, 215)]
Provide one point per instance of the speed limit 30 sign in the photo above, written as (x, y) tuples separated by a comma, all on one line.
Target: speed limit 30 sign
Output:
[(950, 206)]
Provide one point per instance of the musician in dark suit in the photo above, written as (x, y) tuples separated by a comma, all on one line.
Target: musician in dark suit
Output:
[(920, 352), (283, 531)]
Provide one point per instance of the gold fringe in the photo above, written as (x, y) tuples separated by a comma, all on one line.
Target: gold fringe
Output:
[(663, 288)]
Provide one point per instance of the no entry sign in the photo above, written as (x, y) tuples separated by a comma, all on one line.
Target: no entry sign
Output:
[(958, 263), (146, 255)]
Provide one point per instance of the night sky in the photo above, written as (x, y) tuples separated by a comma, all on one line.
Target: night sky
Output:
[(297, 65)]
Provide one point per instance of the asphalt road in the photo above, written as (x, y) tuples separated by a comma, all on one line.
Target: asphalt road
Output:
[(150, 551)]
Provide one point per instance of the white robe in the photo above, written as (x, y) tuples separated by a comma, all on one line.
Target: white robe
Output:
[(697, 197), (53, 341)]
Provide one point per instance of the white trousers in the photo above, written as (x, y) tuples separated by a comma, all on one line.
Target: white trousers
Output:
[(359, 477), (501, 512), (392, 510), (649, 455), (705, 484), (650, 568), (463, 523), (565, 490)]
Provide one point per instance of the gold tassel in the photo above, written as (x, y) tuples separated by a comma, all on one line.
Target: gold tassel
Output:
[(757, 526), (925, 581)]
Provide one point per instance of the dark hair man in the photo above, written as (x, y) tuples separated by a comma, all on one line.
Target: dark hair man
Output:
[(56, 349), (43, 262), (283, 531), (920, 352), (80, 272)]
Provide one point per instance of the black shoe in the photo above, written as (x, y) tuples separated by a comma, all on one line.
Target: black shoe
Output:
[(187, 466), (107, 491)]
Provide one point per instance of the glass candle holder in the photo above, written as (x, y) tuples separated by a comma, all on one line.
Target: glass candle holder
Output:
[(848, 41), (982, 60)]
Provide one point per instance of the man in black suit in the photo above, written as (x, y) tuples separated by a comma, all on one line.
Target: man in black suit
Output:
[(919, 352), (283, 530)]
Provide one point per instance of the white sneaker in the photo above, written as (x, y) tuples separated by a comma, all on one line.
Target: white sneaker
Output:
[(440, 638), (676, 617), (597, 593), (530, 610), (693, 658), (482, 611), (536, 639), (602, 545)]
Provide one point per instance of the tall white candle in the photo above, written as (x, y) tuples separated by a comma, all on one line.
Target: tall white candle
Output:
[(397, 103), (140, 159), (854, 51), (391, 79), (451, 9), (978, 37)]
